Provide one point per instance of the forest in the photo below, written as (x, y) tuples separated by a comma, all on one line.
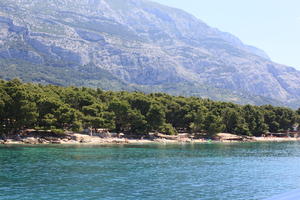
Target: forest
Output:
[(56, 108)]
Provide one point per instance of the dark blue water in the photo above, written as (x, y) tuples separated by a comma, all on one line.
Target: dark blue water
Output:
[(205, 171)]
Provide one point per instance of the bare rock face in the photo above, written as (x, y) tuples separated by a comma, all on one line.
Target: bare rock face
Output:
[(139, 43)]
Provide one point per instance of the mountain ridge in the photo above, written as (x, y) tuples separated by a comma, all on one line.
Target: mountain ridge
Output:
[(140, 43)]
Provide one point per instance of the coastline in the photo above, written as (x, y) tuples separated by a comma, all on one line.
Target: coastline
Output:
[(81, 139)]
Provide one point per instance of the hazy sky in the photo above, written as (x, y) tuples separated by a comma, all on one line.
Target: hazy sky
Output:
[(272, 25)]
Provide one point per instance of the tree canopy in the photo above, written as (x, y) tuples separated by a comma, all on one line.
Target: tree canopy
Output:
[(26, 105)]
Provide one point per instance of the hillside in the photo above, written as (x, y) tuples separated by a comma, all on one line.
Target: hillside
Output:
[(136, 45)]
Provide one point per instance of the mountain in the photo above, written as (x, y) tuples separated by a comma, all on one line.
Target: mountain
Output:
[(136, 45)]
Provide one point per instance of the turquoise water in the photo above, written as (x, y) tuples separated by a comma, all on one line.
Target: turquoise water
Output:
[(205, 171)]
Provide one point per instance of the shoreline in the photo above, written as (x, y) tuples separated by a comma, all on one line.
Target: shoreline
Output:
[(81, 139)]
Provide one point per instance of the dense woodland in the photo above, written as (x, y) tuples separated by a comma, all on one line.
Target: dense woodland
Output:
[(49, 107)]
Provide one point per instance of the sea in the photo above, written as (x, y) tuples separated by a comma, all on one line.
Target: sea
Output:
[(212, 171)]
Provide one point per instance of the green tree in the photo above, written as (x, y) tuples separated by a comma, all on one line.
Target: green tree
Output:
[(4, 98), (137, 122), (47, 107), (286, 118), (213, 125), (168, 129), (68, 118), (140, 102), (198, 119), (155, 117), (270, 119), (234, 122), (77, 98), (96, 116), (20, 111), (255, 119), (120, 110)]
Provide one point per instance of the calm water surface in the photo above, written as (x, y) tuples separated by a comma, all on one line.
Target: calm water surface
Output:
[(205, 171)]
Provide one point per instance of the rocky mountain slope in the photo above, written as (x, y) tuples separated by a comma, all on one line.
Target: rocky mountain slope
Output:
[(136, 45)]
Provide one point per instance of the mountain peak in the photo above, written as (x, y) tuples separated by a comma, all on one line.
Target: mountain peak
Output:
[(139, 43)]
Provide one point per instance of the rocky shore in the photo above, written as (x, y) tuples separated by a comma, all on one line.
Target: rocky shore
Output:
[(76, 138)]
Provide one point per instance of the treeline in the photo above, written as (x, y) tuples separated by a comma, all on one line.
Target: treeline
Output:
[(25, 105)]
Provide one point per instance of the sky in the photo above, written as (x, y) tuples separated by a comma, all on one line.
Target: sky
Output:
[(271, 25)]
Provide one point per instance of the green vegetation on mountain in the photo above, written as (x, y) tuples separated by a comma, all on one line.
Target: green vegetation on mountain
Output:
[(62, 76), (27, 105), (95, 77)]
